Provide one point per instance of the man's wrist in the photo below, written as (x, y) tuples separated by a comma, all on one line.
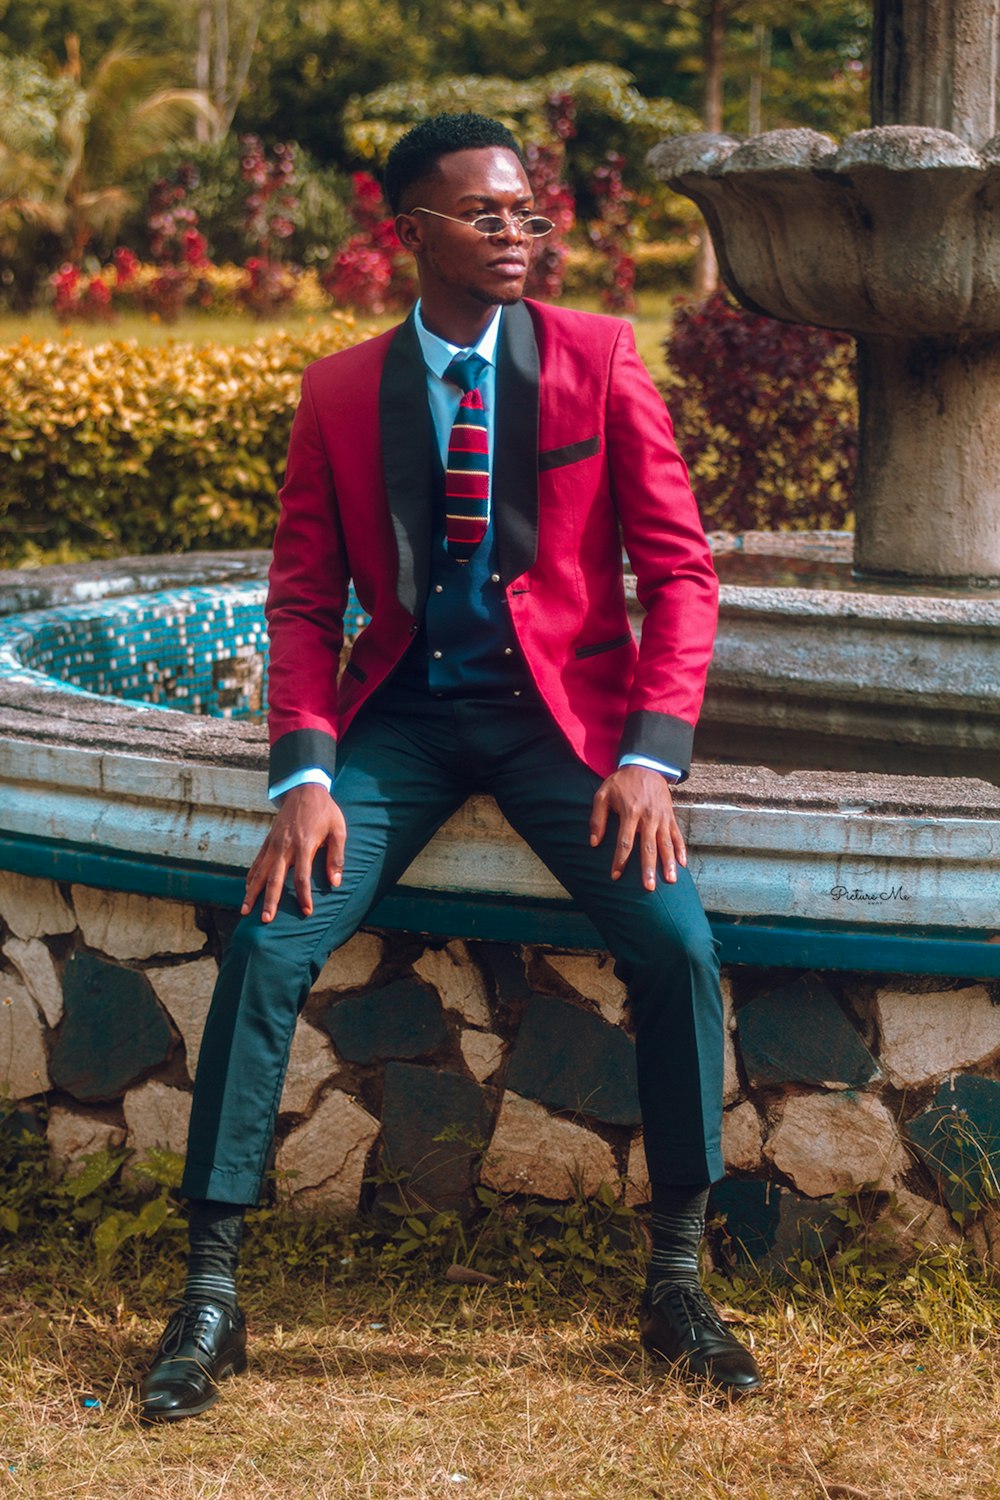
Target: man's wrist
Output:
[(308, 776), (672, 774)]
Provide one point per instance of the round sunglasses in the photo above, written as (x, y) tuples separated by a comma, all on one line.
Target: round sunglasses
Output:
[(533, 225)]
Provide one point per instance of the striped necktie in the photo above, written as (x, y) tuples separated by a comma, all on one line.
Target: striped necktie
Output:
[(467, 476)]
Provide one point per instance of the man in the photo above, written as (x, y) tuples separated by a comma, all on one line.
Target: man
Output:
[(474, 472)]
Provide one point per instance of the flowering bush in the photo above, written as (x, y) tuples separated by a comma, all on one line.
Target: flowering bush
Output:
[(87, 298), (766, 417), (270, 211), (612, 232), (177, 248), (553, 198), (372, 270)]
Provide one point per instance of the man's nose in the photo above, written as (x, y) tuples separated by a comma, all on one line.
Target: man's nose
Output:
[(511, 228)]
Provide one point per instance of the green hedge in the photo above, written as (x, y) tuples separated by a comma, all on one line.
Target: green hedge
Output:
[(121, 448)]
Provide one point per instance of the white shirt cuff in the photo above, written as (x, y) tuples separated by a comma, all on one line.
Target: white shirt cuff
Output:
[(672, 773), (311, 775)]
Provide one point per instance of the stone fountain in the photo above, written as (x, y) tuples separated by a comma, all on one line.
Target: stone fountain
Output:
[(893, 236)]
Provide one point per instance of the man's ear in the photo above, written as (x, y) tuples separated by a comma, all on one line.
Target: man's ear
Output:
[(409, 232)]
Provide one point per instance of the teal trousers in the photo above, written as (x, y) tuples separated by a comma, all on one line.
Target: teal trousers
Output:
[(406, 764)]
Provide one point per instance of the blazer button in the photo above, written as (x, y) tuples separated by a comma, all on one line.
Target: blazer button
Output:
[(508, 651), (439, 588), (437, 655), (494, 578)]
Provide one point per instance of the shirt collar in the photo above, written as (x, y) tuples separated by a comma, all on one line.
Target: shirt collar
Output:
[(438, 353)]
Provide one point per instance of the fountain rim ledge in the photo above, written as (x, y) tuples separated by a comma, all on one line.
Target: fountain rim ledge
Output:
[(159, 801)]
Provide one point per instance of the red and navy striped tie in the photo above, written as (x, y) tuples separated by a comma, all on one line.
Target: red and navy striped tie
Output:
[(467, 477)]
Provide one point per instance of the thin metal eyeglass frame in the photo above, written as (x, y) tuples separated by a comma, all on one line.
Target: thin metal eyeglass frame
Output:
[(532, 234)]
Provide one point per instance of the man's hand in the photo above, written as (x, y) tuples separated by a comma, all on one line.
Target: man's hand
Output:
[(307, 820), (641, 798)]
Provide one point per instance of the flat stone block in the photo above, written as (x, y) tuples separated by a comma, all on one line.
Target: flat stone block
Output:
[(452, 972), (959, 1139), (72, 1136), (799, 1034), (833, 1143), (506, 964), (24, 1064), (124, 925), (435, 1125), (33, 961), (113, 1030), (157, 1117), (914, 1223), (185, 992), (322, 1163), (402, 1020), (311, 1064), (926, 1036), (637, 1188), (352, 966), (731, 1089), (593, 977), (535, 1152), (769, 1227), (33, 908), (482, 1052), (569, 1059), (742, 1138)]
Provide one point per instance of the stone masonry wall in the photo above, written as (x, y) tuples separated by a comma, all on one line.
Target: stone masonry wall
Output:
[(454, 1062)]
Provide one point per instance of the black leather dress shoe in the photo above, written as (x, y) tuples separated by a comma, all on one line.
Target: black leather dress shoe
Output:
[(201, 1345), (681, 1325)]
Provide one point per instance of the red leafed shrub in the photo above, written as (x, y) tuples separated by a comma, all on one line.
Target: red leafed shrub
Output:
[(81, 297), (611, 234), (270, 210), (553, 198), (372, 271), (766, 417)]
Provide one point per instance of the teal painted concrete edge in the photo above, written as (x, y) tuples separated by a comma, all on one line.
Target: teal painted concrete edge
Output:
[(765, 942)]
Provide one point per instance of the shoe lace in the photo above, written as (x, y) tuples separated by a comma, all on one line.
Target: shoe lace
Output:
[(192, 1322), (687, 1305)]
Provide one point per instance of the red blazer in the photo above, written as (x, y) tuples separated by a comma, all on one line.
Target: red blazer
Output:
[(584, 459)]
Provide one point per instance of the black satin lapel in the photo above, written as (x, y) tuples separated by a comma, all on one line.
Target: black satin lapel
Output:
[(515, 461), (407, 436)]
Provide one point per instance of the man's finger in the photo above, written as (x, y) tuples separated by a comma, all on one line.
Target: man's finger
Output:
[(667, 855), (598, 817), (274, 887), (648, 852), (335, 843), (627, 823), (303, 879), (254, 884)]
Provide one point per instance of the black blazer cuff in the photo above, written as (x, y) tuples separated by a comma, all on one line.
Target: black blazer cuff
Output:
[(660, 736), (300, 749)]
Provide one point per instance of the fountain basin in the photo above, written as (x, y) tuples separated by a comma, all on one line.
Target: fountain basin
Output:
[(176, 800)]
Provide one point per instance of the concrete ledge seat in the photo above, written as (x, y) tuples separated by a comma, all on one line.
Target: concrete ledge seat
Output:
[(838, 869)]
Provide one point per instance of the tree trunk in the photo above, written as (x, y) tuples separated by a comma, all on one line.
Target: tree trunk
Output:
[(203, 66), (706, 271)]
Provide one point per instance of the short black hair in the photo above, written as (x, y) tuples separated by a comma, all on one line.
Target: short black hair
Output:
[(415, 155)]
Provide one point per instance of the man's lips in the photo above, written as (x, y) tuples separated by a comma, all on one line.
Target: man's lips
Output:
[(509, 265)]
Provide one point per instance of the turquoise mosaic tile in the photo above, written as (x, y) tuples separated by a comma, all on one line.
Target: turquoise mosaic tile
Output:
[(201, 650)]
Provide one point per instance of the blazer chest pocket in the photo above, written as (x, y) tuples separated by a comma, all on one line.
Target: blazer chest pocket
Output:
[(602, 646), (555, 458)]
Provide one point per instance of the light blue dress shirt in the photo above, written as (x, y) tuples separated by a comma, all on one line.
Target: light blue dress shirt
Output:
[(444, 398)]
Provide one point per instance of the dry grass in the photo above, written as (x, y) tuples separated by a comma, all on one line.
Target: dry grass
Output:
[(369, 1392)]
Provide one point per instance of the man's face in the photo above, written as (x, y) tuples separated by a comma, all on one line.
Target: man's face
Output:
[(455, 261)]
